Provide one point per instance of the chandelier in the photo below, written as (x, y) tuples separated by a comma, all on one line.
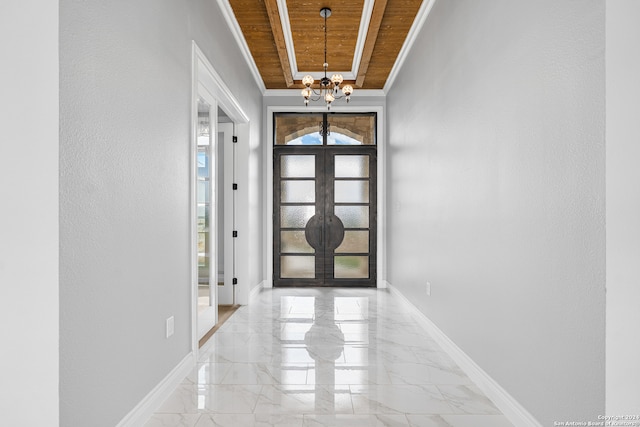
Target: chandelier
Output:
[(329, 87)]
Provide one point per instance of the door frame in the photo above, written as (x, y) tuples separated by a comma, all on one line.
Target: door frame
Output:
[(381, 182), (205, 79)]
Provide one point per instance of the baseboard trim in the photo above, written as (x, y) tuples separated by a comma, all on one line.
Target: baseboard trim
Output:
[(152, 401), (256, 290), (509, 406)]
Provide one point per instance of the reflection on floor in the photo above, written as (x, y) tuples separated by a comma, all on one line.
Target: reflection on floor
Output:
[(325, 357)]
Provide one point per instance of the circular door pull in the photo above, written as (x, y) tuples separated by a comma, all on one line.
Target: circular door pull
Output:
[(313, 232), (334, 232)]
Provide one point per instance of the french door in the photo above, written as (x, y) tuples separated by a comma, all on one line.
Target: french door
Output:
[(325, 212)]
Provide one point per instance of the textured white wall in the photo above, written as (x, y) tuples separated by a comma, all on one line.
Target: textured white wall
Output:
[(125, 106), (623, 207), (496, 193), (29, 213)]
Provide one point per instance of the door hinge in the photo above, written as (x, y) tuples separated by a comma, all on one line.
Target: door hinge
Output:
[(235, 233), (235, 186), (235, 139), (235, 281)]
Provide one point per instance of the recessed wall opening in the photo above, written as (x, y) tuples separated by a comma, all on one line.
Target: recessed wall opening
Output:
[(217, 122)]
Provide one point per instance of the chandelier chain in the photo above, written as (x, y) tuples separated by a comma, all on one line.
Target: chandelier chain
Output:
[(325, 45)]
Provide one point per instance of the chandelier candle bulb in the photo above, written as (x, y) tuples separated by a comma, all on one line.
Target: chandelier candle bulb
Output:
[(307, 80)]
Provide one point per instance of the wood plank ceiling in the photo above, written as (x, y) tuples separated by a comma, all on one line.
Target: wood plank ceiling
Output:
[(286, 38)]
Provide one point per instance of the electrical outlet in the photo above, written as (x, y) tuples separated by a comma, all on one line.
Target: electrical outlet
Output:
[(170, 327), (429, 289)]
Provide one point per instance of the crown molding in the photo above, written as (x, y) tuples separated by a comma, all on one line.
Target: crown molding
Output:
[(418, 23), (296, 92), (233, 25), (317, 75)]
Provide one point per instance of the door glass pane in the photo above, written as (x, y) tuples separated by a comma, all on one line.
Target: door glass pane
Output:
[(203, 217), (203, 205), (203, 259), (352, 129), (203, 164), (337, 138), (355, 241), (294, 241), (298, 129), (351, 267), (298, 166), (352, 191), (297, 267), (352, 166), (353, 216), (203, 191), (298, 191), (204, 125), (296, 216)]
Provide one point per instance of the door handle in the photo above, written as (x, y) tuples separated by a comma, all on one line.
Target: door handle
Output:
[(335, 232), (313, 232), (321, 234)]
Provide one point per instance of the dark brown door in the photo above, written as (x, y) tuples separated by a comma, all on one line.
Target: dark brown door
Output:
[(324, 215)]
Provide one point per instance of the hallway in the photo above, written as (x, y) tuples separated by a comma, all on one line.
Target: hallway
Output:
[(325, 357), (508, 205)]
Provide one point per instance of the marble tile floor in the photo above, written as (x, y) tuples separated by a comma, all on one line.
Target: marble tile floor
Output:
[(325, 357)]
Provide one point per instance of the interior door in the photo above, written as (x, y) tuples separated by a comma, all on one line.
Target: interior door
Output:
[(324, 214), (206, 209)]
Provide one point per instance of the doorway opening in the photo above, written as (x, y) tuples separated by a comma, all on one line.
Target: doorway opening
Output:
[(215, 209), (205, 212), (218, 122), (324, 199)]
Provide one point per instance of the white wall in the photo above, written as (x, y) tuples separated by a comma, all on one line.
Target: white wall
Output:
[(29, 213), (124, 193), (623, 207), (496, 193)]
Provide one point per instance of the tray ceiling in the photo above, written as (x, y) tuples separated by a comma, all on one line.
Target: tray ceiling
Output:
[(286, 38)]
